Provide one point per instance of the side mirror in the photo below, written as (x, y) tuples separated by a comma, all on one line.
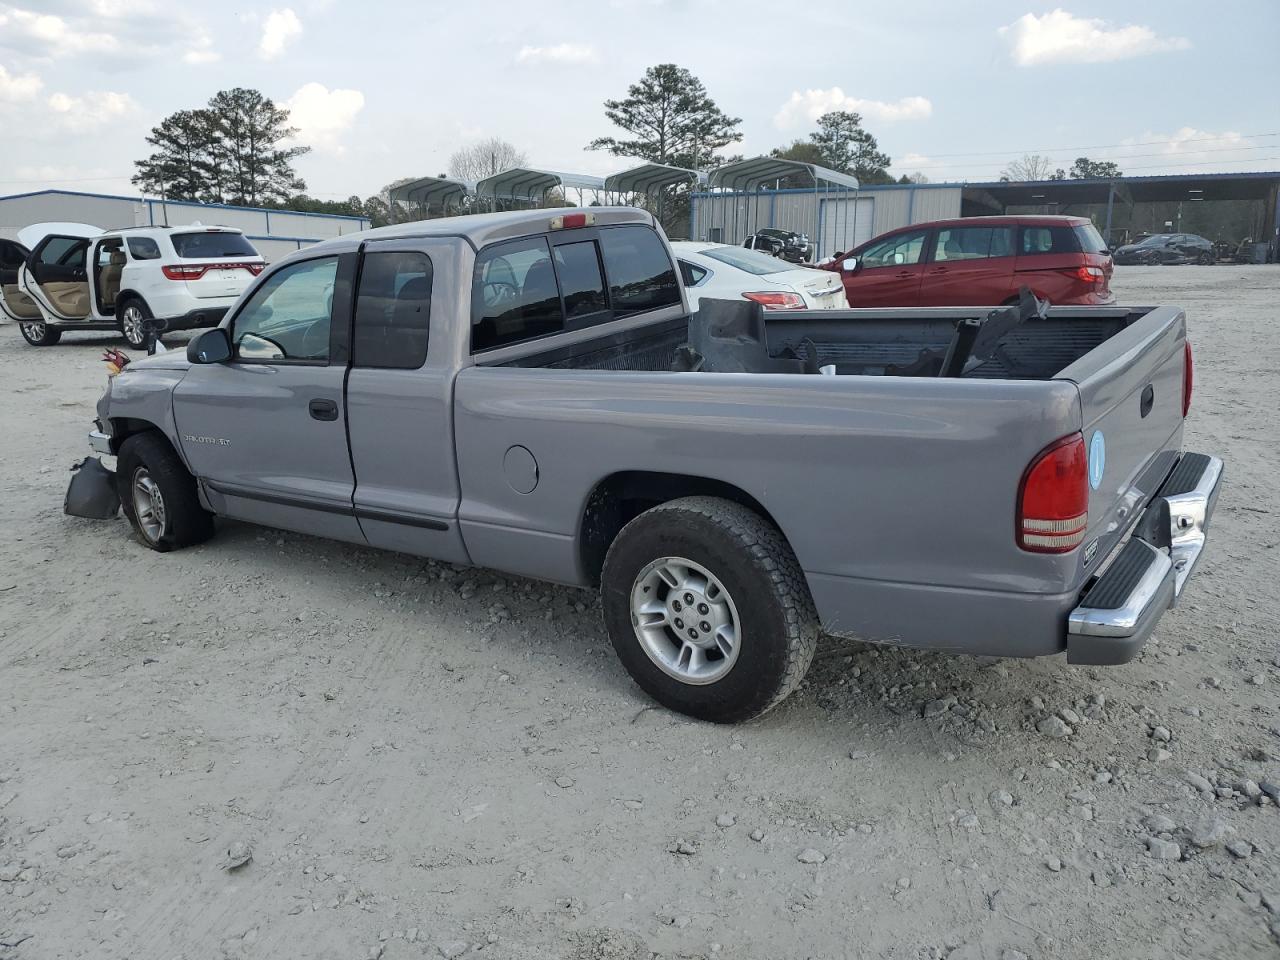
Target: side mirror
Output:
[(850, 265), (212, 346)]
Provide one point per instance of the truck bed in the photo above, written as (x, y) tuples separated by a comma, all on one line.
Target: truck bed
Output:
[(865, 342)]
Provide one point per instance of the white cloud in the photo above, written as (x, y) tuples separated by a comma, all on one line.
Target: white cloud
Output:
[(1061, 37), (560, 53), (201, 51), (280, 27), (16, 87), (44, 34), (811, 104), (1189, 150), (97, 108), (322, 115)]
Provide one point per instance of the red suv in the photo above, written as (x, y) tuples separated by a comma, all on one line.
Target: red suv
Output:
[(977, 261)]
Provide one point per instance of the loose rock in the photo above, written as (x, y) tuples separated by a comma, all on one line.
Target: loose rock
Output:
[(810, 855), (1054, 727), (1163, 849)]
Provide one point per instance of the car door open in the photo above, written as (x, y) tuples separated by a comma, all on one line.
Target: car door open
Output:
[(14, 304)]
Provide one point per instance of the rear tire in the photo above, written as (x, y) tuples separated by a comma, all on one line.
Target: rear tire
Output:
[(133, 316), (753, 629), (38, 333), (159, 495)]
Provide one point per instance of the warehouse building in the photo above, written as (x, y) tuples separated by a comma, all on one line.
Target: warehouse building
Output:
[(275, 233)]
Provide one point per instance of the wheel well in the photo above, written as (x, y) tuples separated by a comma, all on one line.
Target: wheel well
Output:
[(621, 497), (122, 428)]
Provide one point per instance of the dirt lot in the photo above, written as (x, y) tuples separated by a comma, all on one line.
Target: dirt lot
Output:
[(427, 762)]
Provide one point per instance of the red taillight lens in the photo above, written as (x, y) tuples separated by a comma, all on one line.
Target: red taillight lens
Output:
[(254, 268), (1053, 500), (777, 300), (1089, 274), (1188, 376), (183, 272)]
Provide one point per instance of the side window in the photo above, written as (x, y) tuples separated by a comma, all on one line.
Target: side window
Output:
[(1002, 242), (581, 284), (641, 275), (1039, 240), (10, 255), (64, 252), (514, 295), (288, 317), (900, 250), (393, 311), (962, 243), (691, 275), (144, 248)]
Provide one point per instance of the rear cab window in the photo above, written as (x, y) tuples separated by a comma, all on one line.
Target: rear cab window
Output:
[(525, 289), (1039, 240), (211, 245)]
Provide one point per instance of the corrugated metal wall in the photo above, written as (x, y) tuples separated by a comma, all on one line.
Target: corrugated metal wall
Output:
[(274, 232), (889, 207)]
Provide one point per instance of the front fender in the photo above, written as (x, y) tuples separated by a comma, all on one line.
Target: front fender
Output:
[(142, 400)]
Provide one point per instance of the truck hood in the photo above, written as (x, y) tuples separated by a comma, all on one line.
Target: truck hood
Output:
[(169, 360)]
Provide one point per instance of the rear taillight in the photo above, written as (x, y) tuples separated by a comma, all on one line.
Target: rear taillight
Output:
[(1089, 274), (777, 300), (183, 272), (1053, 500), (1188, 376), (254, 268)]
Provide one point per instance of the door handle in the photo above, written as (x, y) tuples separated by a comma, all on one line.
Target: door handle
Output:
[(902, 274), (322, 409)]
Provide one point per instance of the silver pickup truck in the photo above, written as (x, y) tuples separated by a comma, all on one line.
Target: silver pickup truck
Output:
[(527, 391)]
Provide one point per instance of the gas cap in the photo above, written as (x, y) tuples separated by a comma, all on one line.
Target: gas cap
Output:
[(521, 469)]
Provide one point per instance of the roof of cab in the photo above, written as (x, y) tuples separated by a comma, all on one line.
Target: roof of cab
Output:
[(480, 229)]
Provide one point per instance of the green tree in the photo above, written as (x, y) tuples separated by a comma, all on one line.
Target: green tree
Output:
[(180, 165), (670, 119), (848, 148), (1086, 169), (250, 151)]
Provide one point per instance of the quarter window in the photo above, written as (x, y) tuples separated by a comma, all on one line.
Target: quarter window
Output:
[(900, 250), (144, 248), (393, 311), (1042, 240), (288, 317), (691, 275)]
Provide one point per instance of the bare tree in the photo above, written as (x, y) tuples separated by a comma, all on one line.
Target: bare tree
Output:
[(1031, 166), (484, 159)]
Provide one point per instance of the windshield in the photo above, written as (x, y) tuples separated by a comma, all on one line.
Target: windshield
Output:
[(209, 245), (752, 261)]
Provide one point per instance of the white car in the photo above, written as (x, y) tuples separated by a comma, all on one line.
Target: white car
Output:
[(724, 272), (73, 276)]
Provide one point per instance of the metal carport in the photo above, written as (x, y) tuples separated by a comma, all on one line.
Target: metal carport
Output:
[(427, 192), (736, 189), (524, 184)]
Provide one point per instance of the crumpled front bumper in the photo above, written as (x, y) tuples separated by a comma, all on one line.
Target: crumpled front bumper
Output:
[(1148, 573)]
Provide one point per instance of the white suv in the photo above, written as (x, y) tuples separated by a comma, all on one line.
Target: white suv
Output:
[(72, 276)]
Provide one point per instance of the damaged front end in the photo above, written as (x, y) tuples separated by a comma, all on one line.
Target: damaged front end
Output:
[(92, 491)]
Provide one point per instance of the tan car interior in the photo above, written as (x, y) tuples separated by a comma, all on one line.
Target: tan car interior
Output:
[(109, 280), (70, 298), (19, 304)]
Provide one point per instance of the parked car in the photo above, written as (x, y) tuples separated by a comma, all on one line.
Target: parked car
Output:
[(497, 390), (786, 244), (1166, 248), (722, 272), (979, 261), (73, 276)]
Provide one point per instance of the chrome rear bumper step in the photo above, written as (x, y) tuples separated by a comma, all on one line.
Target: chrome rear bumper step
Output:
[(1121, 608)]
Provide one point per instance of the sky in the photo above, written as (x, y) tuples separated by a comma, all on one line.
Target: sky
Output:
[(387, 90)]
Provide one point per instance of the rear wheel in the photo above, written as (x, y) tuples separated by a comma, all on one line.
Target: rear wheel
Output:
[(133, 317), (39, 334), (708, 610), (159, 495)]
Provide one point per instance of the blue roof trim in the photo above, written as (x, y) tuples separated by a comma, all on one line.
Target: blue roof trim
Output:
[(184, 203)]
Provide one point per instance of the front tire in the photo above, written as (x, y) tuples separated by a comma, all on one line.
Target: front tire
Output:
[(708, 609), (159, 495), (38, 333), (133, 317)]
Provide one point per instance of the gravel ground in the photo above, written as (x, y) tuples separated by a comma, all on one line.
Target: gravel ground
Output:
[(425, 762)]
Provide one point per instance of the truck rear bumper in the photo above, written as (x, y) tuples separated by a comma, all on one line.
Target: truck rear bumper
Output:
[(1147, 575), (1106, 623)]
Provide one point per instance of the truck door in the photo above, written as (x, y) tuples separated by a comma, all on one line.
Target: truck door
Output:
[(399, 397), (265, 431)]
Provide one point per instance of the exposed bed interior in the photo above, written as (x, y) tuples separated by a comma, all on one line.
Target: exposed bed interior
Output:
[(863, 343)]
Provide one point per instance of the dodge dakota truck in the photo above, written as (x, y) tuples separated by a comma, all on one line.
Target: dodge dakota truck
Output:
[(527, 391)]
